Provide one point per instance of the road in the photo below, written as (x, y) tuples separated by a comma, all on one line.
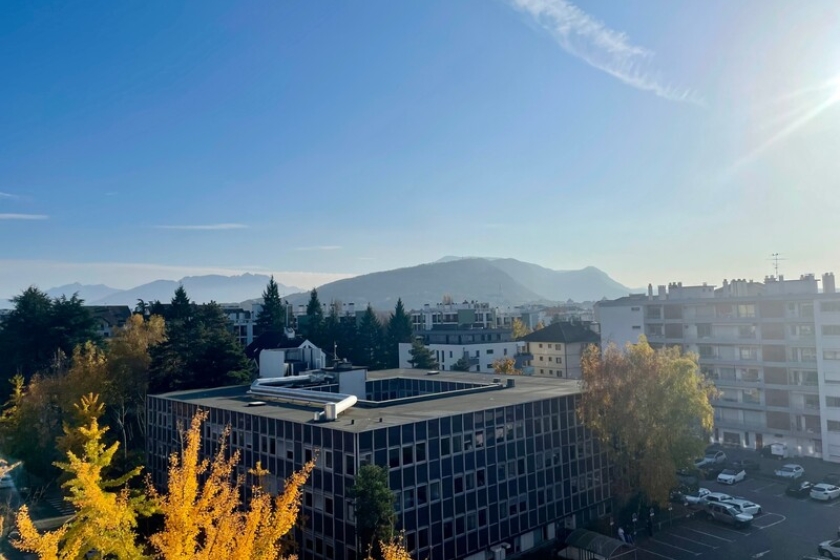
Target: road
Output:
[(787, 528)]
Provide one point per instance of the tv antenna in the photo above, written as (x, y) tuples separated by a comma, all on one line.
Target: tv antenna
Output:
[(776, 257)]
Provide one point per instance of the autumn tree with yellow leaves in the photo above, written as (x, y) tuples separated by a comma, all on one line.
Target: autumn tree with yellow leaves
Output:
[(203, 516), (205, 522), (651, 410)]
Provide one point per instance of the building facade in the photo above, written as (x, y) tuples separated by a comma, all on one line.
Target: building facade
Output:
[(772, 348), (479, 347), (556, 350), (480, 467)]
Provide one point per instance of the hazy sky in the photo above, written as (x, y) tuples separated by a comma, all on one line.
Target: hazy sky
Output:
[(656, 140)]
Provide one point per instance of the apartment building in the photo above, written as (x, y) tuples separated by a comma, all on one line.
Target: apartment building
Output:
[(472, 314), (481, 467), (772, 348), (480, 347), (556, 350)]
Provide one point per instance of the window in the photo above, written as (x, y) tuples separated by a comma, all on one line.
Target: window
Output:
[(831, 330), (328, 460), (833, 402), (637, 327), (394, 457), (540, 345), (833, 426), (635, 309), (830, 306), (831, 354), (489, 351), (420, 451), (558, 346)]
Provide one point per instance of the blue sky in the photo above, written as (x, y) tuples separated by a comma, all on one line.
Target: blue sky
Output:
[(655, 140)]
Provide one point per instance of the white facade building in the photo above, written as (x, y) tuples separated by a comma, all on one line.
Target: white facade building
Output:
[(772, 349)]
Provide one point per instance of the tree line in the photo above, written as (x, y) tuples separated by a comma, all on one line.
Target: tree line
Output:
[(366, 341)]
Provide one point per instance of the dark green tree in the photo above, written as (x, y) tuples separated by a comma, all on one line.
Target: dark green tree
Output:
[(421, 357), (200, 350), (399, 330), (370, 342), (180, 308), (272, 317), (313, 322), (38, 330), (374, 507), (332, 331), (463, 364)]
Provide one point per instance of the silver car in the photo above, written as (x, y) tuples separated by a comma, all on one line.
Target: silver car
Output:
[(744, 506), (729, 514)]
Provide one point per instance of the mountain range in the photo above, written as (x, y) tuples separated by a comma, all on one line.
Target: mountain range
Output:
[(500, 281), (201, 289), (497, 281)]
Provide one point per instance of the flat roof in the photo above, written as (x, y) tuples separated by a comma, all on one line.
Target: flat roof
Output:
[(359, 419)]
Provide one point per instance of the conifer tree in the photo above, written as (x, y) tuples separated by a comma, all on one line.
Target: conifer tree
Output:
[(421, 356), (374, 506), (370, 342), (272, 317), (314, 320), (399, 330)]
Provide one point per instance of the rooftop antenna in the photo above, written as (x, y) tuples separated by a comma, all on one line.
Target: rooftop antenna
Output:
[(776, 257)]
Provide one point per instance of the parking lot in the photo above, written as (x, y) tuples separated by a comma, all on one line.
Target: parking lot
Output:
[(786, 529)]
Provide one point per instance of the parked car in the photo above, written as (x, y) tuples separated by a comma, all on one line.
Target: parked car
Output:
[(744, 506), (829, 548), (799, 488), (695, 498), (712, 458), (729, 514), (729, 476), (790, 471), (716, 497), (825, 492), (748, 465)]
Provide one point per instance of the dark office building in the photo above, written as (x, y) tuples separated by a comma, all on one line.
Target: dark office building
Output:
[(482, 466)]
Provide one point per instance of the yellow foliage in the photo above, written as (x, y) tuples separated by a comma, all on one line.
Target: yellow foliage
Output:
[(204, 522), (395, 550), (105, 521), (650, 409), (47, 546), (506, 366)]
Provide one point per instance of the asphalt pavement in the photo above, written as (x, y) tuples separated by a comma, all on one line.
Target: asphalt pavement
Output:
[(787, 529)]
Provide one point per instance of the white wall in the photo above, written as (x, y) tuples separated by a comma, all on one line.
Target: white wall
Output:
[(618, 322), (446, 361)]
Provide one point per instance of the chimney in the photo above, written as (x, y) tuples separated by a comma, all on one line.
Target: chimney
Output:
[(828, 283), (650, 291), (661, 290)]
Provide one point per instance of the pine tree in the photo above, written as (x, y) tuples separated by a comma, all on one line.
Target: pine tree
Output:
[(374, 505), (399, 330), (272, 317), (313, 327), (200, 349), (38, 329), (463, 364), (370, 342), (421, 357)]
